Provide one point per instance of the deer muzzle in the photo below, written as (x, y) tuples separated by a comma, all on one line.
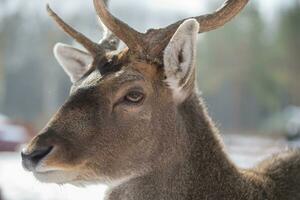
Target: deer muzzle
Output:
[(31, 159)]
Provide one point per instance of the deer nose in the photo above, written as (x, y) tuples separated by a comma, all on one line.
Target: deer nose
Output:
[(31, 160)]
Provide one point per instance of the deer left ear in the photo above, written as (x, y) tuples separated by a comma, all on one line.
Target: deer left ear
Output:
[(180, 58), (74, 61)]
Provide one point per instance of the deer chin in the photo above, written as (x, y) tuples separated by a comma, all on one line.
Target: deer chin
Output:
[(76, 176), (56, 176), (46, 173)]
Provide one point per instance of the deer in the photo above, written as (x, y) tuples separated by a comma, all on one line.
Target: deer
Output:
[(135, 121)]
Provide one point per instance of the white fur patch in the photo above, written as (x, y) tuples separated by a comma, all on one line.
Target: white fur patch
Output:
[(74, 61), (179, 58), (58, 177)]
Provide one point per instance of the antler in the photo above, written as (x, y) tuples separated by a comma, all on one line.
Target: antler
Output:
[(153, 42), (108, 43), (208, 22), (147, 45), (132, 38)]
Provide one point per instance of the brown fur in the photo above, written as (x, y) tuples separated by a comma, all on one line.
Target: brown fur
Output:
[(163, 147), (159, 150)]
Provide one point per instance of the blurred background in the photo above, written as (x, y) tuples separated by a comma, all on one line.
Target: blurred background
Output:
[(248, 73)]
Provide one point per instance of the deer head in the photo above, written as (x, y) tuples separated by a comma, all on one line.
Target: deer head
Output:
[(121, 119)]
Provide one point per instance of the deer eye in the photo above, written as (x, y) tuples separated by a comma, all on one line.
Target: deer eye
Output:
[(134, 97)]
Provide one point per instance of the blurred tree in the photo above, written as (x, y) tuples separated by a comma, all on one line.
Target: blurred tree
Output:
[(246, 71), (239, 73), (2, 73), (289, 45)]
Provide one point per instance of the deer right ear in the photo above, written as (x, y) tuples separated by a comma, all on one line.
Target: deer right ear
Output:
[(179, 59), (74, 61)]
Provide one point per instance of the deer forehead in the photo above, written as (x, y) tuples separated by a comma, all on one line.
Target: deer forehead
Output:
[(130, 72)]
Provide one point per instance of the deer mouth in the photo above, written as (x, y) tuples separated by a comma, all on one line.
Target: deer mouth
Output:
[(48, 165), (46, 173), (49, 170)]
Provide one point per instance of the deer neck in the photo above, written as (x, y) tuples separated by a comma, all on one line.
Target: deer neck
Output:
[(204, 170), (205, 148), (209, 167)]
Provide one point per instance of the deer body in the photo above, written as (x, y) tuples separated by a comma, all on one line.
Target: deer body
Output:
[(206, 172), (134, 121)]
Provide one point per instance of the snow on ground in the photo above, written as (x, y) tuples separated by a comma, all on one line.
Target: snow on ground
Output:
[(247, 150), (16, 184)]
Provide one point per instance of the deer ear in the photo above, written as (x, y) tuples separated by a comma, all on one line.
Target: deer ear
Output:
[(74, 61), (179, 59)]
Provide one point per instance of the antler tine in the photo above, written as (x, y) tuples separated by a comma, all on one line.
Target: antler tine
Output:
[(132, 38), (89, 45), (110, 41), (207, 23), (223, 15), (220, 17)]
